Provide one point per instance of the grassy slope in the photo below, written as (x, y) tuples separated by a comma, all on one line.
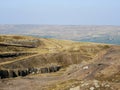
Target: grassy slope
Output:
[(47, 52), (103, 61)]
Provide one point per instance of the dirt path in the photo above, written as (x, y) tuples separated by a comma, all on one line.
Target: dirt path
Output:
[(20, 59)]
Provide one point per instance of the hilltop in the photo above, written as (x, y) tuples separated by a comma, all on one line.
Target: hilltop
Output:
[(51, 64)]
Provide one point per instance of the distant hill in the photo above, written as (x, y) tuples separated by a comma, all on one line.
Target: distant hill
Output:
[(99, 34)]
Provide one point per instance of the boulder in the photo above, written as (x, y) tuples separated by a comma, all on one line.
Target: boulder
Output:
[(44, 70), (4, 74)]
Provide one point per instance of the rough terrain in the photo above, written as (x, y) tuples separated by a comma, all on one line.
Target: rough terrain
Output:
[(28, 63)]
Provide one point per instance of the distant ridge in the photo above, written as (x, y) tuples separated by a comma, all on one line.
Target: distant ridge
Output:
[(86, 33)]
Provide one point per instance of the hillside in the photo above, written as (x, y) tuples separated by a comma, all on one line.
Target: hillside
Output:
[(28, 63)]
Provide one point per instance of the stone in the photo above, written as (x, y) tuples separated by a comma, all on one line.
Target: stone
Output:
[(96, 83), (84, 84), (75, 88), (30, 70), (4, 74), (92, 88), (24, 72), (107, 85), (85, 67), (14, 73), (51, 69), (44, 70)]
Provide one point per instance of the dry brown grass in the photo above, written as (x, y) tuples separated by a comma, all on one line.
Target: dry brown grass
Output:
[(65, 53)]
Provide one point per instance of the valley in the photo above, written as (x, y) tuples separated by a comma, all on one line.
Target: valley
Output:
[(82, 33)]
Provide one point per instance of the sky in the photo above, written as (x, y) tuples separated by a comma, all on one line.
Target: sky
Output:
[(60, 12)]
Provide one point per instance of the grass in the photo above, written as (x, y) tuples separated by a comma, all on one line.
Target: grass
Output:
[(53, 51)]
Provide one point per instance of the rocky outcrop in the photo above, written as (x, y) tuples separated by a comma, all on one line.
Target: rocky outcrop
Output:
[(18, 45), (14, 54), (15, 73), (21, 43)]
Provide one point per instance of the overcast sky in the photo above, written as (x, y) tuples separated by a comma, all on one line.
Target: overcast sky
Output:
[(61, 12)]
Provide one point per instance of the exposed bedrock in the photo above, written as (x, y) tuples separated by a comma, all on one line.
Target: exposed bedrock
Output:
[(24, 72), (7, 55)]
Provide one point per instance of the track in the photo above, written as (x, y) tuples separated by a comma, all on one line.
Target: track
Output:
[(20, 59)]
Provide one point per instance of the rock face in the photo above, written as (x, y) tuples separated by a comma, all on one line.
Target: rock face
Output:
[(15, 73), (7, 55)]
